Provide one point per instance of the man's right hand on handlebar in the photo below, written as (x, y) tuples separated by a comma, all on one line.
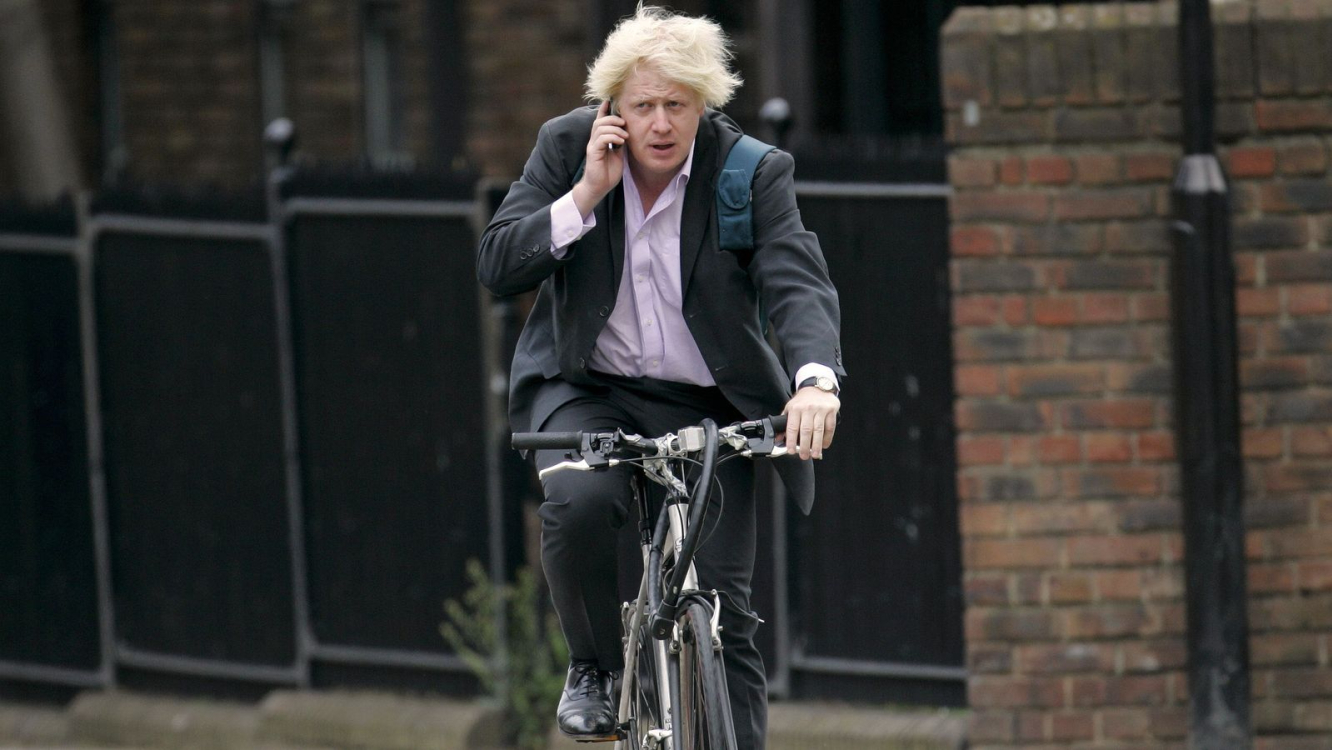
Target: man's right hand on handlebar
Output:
[(811, 420)]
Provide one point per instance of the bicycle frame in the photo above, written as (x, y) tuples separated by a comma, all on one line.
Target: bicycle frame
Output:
[(670, 537), (674, 511)]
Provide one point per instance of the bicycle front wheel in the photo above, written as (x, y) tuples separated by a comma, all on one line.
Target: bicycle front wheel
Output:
[(705, 711)]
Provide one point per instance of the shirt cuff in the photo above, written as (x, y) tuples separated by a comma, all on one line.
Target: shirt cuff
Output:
[(566, 226), (814, 369)]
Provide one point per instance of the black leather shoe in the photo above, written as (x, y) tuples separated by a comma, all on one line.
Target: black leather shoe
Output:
[(586, 712)]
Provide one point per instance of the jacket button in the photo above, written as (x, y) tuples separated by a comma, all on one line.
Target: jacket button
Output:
[(582, 363), (604, 311)]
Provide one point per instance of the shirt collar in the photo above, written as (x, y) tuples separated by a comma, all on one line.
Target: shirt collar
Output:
[(689, 161), (680, 178)]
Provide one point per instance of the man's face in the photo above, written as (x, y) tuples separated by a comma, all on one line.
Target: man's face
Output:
[(662, 119)]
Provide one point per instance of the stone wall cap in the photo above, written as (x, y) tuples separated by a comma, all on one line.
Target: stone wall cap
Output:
[(1140, 14), (1272, 10), (1075, 17), (1108, 16), (1305, 10), (969, 20), (1009, 20), (1041, 17), (1230, 12)]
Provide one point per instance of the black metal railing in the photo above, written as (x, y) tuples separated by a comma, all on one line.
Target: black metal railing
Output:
[(256, 438), (245, 428)]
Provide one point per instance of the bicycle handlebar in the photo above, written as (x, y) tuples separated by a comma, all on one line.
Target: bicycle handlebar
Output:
[(538, 441), (599, 450)]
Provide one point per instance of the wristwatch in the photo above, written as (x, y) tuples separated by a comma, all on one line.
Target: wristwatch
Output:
[(822, 382)]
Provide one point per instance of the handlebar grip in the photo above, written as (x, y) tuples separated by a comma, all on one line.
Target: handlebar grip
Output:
[(537, 441), (778, 423)]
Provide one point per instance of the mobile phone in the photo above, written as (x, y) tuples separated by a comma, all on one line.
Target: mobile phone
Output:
[(613, 111)]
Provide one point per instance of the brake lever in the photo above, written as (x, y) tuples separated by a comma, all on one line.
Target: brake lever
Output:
[(596, 446), (581, 465), (748, 445), (765, 444)]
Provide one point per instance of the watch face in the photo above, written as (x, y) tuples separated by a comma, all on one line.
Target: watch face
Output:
[(825, 384)]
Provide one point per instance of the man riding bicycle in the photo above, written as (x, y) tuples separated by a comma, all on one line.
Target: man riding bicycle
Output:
[(644, 323)]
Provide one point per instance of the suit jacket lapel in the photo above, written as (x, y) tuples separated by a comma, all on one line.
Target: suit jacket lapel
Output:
[(698, 199), (613, 214)]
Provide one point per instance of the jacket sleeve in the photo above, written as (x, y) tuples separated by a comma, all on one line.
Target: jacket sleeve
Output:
[(790, 273), (514, 254)]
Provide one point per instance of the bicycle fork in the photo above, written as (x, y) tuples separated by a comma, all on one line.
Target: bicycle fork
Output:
[(662, 651), (655, 739)]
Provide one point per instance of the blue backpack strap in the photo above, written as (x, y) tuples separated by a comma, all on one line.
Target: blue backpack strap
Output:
[(735, 203), (735, 208)]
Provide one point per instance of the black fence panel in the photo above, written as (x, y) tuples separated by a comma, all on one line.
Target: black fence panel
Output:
[(887, 502), (47, 565), (870, 158), (392, 422), (54, 219), (770, 580), (191, 402)]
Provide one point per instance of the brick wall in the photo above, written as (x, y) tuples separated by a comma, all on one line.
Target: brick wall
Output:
[(321, 55), (325, 83), (189, 90), (189, 82), (1065, 126), (527, 63)]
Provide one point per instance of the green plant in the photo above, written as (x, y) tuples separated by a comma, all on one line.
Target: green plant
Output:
[(526, 671)]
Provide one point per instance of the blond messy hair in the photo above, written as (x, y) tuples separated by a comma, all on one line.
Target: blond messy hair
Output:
[(693, 52)]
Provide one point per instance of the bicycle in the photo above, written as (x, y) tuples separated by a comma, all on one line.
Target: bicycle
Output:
[(681, 667)]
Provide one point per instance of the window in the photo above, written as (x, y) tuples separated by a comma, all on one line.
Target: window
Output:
[(110, 118), (385, 94), (274, 15)]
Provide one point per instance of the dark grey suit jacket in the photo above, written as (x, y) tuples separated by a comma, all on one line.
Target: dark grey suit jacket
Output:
[(720, 294)]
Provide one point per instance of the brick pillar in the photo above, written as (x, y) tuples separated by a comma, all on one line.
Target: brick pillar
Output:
[(1065, 129)]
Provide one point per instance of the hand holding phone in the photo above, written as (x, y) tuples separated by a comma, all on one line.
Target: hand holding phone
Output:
[(605, 165)]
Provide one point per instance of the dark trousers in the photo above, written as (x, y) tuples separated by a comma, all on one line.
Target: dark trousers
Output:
[(584, 512)]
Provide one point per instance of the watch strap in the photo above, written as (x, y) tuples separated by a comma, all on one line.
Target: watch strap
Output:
[(813, 380)]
